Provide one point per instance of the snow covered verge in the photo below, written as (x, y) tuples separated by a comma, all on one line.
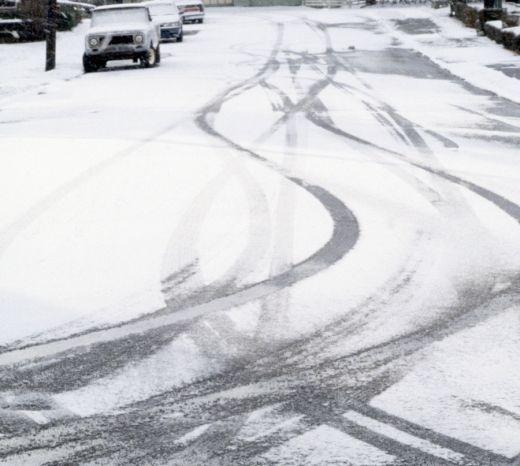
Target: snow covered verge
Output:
[(23, 64)]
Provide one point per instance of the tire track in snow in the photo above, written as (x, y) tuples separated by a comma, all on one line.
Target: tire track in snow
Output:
[(207, 116), (258, 207), (502, 203), (24, 221), (304, 104), (344, 236), (370, 371), (399, 342), (272, 319), (68, 353), (505, 205), (316, 112), (420, 339), (405, 126), (381, 360), (500, 124), (306, 386), (311, 101), (182, 244)]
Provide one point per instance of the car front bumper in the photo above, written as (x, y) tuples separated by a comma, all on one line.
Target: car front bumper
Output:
[(119, 52), (171, 32), (192, 16)]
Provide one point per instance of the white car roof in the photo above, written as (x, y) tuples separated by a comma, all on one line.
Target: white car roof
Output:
[(189, 2), (158, 2), (122, 6)]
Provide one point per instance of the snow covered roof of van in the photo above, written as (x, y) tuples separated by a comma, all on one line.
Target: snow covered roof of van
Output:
[(189, 2), (121, 6)]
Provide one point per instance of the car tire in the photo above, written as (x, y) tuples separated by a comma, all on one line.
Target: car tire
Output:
[(90, 64), (180, 38), (158, 55), (150, 59), (201, 21)]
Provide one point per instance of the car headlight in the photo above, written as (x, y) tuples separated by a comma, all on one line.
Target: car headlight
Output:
[(93, 41), (139, 39)]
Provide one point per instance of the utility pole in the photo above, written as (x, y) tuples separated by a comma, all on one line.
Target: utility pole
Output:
[(50, 32)]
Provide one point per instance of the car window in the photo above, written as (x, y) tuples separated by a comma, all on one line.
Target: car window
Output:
[(162, 10), (120, 15)]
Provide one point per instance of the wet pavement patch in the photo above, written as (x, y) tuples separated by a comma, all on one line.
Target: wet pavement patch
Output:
[(395, 61), (368, 25), (511, 70), (504, 108), (417, 26), (460, 42)]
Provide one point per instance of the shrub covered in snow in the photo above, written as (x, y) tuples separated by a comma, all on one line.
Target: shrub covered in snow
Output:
[(27, 19), (493, 29), (466, 13), (509, 36)]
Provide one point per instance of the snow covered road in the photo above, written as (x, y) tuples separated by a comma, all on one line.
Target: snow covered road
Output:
[(295, 242)]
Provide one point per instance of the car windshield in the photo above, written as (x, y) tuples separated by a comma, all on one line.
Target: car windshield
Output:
[(162, 10), (119, 15)]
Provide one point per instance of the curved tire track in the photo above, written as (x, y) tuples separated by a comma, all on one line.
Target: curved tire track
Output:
[(344, 236)]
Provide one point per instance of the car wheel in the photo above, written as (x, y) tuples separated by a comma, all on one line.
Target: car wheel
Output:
[(90, 64), (151, 58), (158, 54), (180, 38)]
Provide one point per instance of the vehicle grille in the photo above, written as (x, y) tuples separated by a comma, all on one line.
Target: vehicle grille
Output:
[(125, 39)]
